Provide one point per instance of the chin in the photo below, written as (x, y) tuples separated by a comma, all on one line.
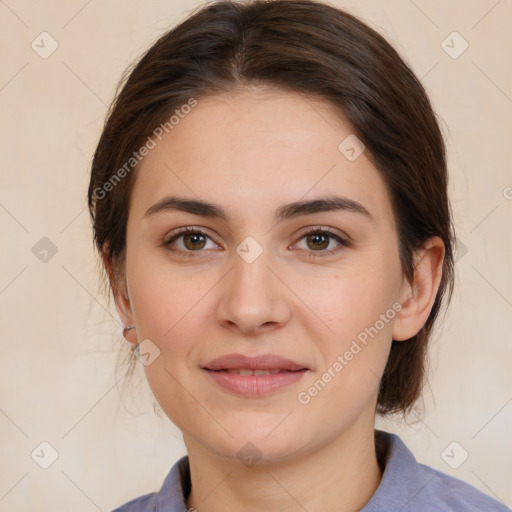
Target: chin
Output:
[(252, 445)]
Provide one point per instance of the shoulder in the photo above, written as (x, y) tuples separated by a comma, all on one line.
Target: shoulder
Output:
[(146, 503), (409, 486), (456, 495)]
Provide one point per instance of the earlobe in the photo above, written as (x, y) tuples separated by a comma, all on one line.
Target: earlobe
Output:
[(418, 297), (118, 286), (129, 335)]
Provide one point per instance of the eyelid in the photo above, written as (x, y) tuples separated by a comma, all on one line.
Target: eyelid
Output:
[(342, 239), (325, 229), (183, 231)]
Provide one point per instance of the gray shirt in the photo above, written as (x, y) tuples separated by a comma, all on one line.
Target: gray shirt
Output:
[(406, 486)]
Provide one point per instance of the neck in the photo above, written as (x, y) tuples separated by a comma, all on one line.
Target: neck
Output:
[(341, 476)]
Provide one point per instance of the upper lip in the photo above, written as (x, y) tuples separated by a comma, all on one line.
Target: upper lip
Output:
[(261, 362)]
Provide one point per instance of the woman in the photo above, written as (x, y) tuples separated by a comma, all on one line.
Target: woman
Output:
[(269, 199)]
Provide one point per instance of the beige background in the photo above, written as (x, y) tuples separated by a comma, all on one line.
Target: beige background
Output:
[(60, 338)]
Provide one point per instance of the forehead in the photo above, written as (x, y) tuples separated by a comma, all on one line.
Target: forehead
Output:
[(257, 148)]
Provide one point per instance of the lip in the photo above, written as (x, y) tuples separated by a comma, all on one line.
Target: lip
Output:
[(289, 373), (261, 362)]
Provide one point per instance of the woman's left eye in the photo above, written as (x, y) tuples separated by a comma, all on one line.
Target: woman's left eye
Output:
[(318, 240)]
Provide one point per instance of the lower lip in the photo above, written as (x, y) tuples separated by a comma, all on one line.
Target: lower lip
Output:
[(255, 385)]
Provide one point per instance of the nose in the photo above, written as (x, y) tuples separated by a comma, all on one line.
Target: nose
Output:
[(253, 297)]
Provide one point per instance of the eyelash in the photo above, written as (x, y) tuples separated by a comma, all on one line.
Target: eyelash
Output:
[(344, 243), (310, 231)]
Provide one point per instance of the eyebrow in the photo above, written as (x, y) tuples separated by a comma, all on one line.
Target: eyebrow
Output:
[(291, 210)]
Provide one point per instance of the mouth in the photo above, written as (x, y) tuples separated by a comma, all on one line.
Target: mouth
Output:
[(253, 376), (267, 362), (253, 371)]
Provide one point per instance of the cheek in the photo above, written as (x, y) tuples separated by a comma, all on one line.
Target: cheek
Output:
[(163, 298), (357, 308), (349, 302), (169, 311), (171, 307), (353, 358)]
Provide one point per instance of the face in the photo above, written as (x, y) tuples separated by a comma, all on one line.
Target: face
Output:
[(316, 285)]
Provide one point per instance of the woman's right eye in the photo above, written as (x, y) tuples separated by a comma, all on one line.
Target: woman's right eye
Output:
[(189, 241)]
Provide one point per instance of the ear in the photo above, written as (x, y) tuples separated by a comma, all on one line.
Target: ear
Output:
[(118, 285), (417, 297)]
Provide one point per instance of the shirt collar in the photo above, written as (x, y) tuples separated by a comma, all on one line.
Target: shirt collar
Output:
[(402, 478), (400, 470)]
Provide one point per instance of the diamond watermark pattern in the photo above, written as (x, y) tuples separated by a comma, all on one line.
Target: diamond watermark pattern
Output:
[(44, 250), (351, 147), (249, 455), (44, 455), (460, 251), (454, 45), (44, 45), (454, 455), (249, 249), (146, 352)]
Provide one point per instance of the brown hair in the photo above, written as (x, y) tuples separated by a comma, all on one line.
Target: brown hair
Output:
[(307, 47)]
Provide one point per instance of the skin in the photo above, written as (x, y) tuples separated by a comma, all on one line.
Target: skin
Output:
[(251, 151)]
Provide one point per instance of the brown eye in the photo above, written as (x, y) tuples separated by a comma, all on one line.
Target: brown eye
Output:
[(189, 241), (194, 241), (319, 240)]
